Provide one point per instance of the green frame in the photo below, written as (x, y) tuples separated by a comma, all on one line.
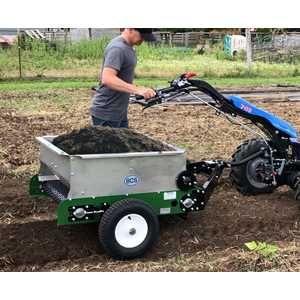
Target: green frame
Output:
[(35, 187), (154, 199)]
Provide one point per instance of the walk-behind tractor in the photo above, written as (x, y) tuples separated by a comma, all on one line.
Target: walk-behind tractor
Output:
[(125, 193)]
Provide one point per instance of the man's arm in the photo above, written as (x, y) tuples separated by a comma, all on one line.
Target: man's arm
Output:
[(110, 79)]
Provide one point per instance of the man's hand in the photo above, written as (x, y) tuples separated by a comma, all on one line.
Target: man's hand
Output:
[(110, 78), (145, 92)]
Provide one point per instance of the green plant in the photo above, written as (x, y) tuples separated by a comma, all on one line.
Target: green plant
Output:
[(87, 49), (266, 250), (241, 55), (219, 53)]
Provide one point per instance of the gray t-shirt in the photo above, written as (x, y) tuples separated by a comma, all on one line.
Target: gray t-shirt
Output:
[(108, 104)]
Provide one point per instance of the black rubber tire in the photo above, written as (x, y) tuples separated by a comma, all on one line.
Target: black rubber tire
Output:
[(109, 222), (238, 174)]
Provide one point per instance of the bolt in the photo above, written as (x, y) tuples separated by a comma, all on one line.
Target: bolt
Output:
[(86, 218), (73, 219), (183, 209), (86, 206), (132, 231)]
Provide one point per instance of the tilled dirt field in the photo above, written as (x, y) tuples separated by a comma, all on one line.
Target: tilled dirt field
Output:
[(212, 240)]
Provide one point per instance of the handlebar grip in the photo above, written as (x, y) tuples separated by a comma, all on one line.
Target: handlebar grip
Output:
[(166, 90), (138, 97), (152, 102)]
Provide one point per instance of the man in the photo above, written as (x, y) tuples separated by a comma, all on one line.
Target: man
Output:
[(110, 103)]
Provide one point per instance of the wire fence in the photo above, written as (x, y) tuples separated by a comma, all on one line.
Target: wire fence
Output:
[(277, 48)]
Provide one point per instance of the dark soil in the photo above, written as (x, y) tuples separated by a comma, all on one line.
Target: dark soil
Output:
[(211, 240), (99, 139)]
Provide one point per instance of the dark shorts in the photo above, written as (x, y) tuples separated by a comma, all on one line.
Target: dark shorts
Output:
[(116, 124)]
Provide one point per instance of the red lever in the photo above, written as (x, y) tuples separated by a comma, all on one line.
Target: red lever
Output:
[(190, 74)]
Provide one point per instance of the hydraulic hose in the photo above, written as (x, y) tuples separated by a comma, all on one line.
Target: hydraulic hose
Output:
[(245, 160)]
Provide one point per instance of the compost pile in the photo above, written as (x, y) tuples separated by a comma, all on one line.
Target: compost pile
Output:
[(99, 139)]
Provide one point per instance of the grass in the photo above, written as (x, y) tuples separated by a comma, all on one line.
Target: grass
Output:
[(73, 83)]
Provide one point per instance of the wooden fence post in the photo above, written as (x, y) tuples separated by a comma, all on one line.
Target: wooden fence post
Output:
[(186, 39), (19, 54), (170, 39)]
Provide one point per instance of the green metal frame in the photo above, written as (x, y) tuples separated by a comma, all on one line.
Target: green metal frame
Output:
[(154, 199), (35, 187)]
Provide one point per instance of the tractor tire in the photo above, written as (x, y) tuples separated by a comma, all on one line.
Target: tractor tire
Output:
[(128, 229), (242, 176)]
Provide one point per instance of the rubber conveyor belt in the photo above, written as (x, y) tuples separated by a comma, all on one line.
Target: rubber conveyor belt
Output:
[(56, 190)]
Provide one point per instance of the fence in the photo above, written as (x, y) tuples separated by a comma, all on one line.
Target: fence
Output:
[(270, 47), (187, 39)]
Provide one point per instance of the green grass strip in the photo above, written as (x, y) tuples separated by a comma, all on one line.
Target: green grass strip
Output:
[(33, 85)]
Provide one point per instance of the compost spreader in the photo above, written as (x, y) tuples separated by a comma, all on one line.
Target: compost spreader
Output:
[(126, 192), (123, 192)]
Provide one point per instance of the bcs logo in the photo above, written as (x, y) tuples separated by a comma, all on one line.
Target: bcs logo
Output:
[(131, 180)]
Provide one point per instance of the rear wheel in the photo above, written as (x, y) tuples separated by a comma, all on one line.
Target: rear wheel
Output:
[(128, 229), (250, 178)]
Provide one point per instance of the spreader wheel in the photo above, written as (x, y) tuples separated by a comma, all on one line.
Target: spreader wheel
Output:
[(128, 229)]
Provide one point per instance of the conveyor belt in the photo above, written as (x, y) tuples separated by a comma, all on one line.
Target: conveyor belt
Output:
[(56, 190)]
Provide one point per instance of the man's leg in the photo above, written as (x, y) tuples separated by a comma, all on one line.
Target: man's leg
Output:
[(124, 124), (97, 121)]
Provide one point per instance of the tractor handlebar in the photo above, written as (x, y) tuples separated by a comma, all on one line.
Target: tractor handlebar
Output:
[(177, 85)]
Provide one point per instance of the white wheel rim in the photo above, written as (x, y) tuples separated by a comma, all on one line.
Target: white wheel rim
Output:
[(131, 231)]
